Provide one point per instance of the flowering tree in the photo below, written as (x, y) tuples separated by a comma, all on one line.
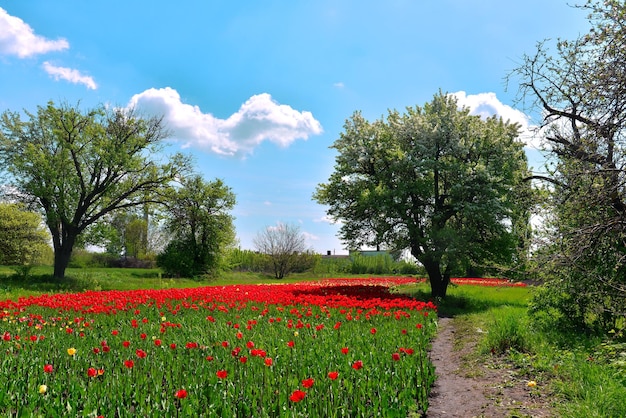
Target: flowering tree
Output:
[(436, 180)]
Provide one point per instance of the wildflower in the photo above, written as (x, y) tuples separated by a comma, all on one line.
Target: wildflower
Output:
[(91, 372), (333, 375), (531, 384), (126, 344), (157, 343), (181, 394), (43, 389), (373, 331), (140, 353), (71, 351), (129, 364), (344, 350), (269, 361), (297, 395), (243, 359), (222, 374), (395, 356), (173, 346), (48, 368), (290, 344), (307, 383)]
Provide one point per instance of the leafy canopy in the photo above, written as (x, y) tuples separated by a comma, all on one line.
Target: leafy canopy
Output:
[(77, 166), (436, 180)]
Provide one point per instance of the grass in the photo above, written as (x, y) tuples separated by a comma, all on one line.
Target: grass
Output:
[(586, 373)]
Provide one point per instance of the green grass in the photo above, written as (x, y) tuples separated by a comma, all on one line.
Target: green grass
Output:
[(586, 373)]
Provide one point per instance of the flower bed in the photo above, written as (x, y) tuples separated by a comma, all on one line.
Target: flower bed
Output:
[(341, 347)]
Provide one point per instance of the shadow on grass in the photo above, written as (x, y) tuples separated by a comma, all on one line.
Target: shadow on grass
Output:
[(471, 299), (45, 283)]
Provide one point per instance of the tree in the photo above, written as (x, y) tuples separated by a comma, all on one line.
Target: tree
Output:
[(283, 244), (436, 180), (581, 92), (77, 167), (23, 241), (198, 217)]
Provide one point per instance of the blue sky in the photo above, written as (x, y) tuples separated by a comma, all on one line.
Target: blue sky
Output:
[(257, 91)]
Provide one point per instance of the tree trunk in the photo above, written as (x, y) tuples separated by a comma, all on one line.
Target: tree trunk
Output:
[(61, 260), (62, 252), (438, 281)]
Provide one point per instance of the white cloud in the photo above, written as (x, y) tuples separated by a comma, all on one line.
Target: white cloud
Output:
[(18, 38), (259, 119), (339, 85), (327, 219), (69, 74), (310, 237), (487, 104)]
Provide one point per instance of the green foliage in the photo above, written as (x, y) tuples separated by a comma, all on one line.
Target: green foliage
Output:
[(246, 260), (507, 331), (79, 166), (23, 241), (581, 93), (252, 261), (201, 226), (435, 180)]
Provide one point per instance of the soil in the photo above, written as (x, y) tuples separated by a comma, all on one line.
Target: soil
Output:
[(472, 386)]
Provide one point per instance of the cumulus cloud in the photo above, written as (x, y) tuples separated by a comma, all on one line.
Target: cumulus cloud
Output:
[(259, 119), (18, 38), (69, 74), (487, 104)]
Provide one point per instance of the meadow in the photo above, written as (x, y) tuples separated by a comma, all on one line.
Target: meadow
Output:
[(117, 343), (330, 348)]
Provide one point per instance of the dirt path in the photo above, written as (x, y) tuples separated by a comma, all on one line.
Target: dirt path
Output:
[(473, 388)]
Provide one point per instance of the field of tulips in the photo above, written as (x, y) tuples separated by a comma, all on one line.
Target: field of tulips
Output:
[(333, 348)]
